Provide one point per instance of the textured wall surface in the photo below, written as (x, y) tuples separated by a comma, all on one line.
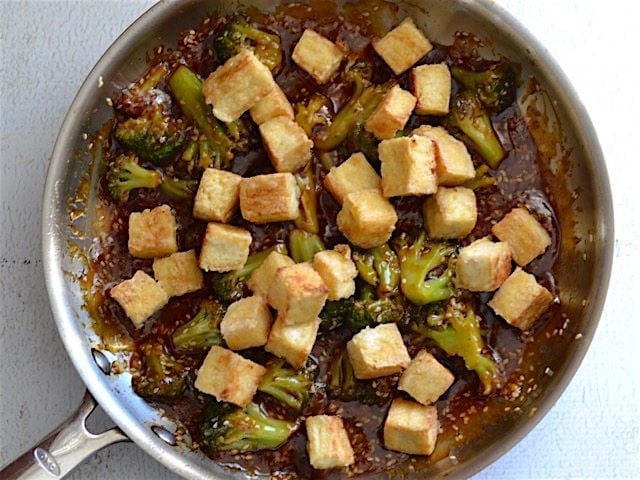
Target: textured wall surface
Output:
[(47, 48)]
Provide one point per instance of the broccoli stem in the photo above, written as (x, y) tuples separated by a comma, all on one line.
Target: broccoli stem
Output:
[(178, 189), (304, 245), (481, 179), (379, 267), (308, 219), (310, 115), (286, 385)]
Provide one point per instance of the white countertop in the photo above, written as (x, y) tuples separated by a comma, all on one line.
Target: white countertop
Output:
[(47, 47)]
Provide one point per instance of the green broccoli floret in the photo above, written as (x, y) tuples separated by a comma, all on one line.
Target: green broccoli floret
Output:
[(203, 330), (416, 262), (228, 287), (160, 375), (249, 429), (315, 112), (287, 385), (359, 140), (125, 174), (308, 219), (468, 114), (142, 94), (177, 188), (304, 245), (343, 385), (215, 149), (481, 179), (379, 267), (495, 87), (238, 35)]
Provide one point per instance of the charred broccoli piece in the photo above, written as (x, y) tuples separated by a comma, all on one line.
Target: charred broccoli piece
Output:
[(228, 287), (229, 428), (203, 330), (308, 219), (304, 245), (315, 112), (125, 174), (495, 87), (287, 385), (343, 385), (417, 260), (379, 267), (177, 188), (481, 179), (238, 34), (159, 375), (468, 114)]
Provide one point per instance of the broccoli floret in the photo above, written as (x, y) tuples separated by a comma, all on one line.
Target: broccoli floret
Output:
[(361, 312), (304, 245), (416, 262), (379, 267), (215, 149), (177, 188), (287, 385), (481, 179), (125, 174), (343, 385), (249, 429), (495, 87), (359, 140), (159, 375), (462, 337), (228, 287), (238, 35), (140, 95), (315, 112), (203, 330), (468, 114), (308, 219)]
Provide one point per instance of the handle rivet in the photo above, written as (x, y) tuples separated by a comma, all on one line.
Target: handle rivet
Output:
[(102, 361), (164, 434)]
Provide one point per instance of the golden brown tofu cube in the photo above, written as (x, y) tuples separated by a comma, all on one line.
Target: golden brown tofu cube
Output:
[(328, 444), (293, 342), (352, 175), (483, 265), (391, 114), (367, 219), (432, 88), (262, 277), (521, 299), (140, 297), (411, 428), (450, 213), (524, 234), (179, 273), (287, 144), (378, 352), (298, 293), (403, 46), (225, 248), (317, 55), (408, 166), (152, 233), (269, 198), (246, 323), (453, 162), (276, 104), (425, 379), (229, 377), (217, 195), (337, 271), (238, 85)]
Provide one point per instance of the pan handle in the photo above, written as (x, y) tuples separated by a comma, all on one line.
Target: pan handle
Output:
[(64, 449)]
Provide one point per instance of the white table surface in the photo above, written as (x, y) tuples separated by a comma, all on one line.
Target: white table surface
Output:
[(47, 48)]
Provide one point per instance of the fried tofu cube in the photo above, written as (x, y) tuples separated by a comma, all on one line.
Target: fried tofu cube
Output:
[(521, 299), (298, 293), (367, 219), (262, 277), (453, 161), (179, 273), (217, 195), (140, 297), (391, 114), (229, 377), (408, 166), (432, 88), (450, 213), (246, 323), (403, 46), (317, 55), (237, 85), (378, 352), (524, 234), (483, 265), (425, 379), (287, 144), (276, 104), (352, 175), (337, 271), (328, 444), (225, 248), (411, 428), (269, 198), (293, 342), (152, 233)]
